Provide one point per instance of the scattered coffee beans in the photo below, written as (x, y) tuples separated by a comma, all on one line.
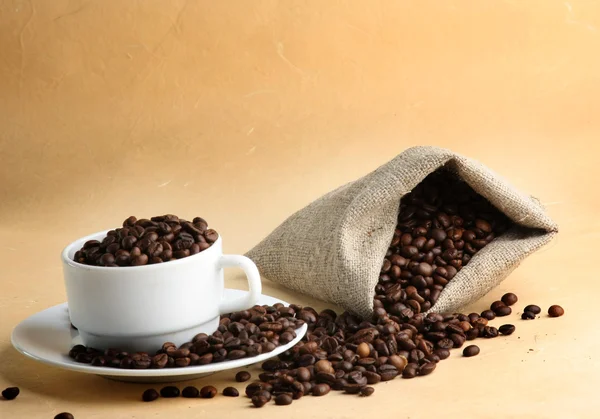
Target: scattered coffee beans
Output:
[(242, 376), (10, 393), (506, 329), (528, 315), (208, 392), (140, 242), (509, 298), (64, 415), (190, 392), (240, 335), (555, 311), (441, 224), (533, 309), (150, 395), (231, 392), (169, 392), (471, 350)]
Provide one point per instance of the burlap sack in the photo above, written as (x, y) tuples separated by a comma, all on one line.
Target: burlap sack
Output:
[(333, 248)]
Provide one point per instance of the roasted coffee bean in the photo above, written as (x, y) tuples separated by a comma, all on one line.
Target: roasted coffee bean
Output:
[(533, 309), (283, 400), (506, 329), (366, 391), (230, 392), (503, 311), (253, 388), (427, 368), (410, 371), (489, 332), (190, 392), (509, 299), (150, 395), (555, 311), (372, 377), (353, 388), (10, 393), (64, 415), (259, 401), (488, 314), (208, 392), (321, 389), (528, 315), (471, 350), (496, 305), (303, 374), (442, 353), (169, 392)]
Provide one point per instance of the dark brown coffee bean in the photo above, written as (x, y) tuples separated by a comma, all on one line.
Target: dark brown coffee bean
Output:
[(320, 389), (150, 395), (259, 401), (506, 329), (10, 393), (533, 309), (190, 392), (410, 371), (366, 391), (242, 376), (353, 388), (139, 260), (509, 298), (503, 311), (230, 392), (471, 350), (496, 305), (528, 315), (555, 311), (208, 392), (211, 235), (169, 392), (283, 400), (488, 314), (427, 368), (64, 415)]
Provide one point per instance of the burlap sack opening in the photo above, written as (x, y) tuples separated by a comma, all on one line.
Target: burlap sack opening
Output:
[(333, 248)]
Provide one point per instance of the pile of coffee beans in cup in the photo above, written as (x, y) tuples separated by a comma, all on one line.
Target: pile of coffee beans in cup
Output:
[(240, 335), (141, 242), (441, 225)]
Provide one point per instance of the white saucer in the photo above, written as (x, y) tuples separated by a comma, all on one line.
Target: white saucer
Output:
[(47, 337)]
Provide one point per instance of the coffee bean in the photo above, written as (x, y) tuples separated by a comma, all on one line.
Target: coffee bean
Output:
[(208, 392), (283, 400), (190, 392), (528, 315), (366, 391), (321, 389), (353, 388), (259, 401), (410, 371), (533, 309), (169, 392), (64, 415), (150, 395), (471, 350), (556, 311), (324, 366), (427, 368), (488, 314), (509, 298), (496, 305), (10, 393), (231, 392), (506, 329), (503, 311)]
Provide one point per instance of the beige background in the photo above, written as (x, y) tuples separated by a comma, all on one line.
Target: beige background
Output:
[(244, 112)]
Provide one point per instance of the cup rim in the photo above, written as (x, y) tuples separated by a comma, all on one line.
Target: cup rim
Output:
[(80, 241)]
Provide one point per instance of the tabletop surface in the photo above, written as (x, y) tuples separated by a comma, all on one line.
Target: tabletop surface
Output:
[(244, 114)]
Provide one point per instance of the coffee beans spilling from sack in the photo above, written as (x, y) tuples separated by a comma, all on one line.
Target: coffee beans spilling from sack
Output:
[(441, 225), (428, 230), (141, 242)]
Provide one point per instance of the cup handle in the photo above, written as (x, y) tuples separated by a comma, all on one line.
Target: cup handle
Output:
[(255, 286)]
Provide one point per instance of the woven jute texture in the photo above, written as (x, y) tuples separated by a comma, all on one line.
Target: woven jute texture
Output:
[(333, 248)]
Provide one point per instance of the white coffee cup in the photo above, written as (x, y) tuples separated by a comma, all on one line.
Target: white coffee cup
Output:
[(138, 308)]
